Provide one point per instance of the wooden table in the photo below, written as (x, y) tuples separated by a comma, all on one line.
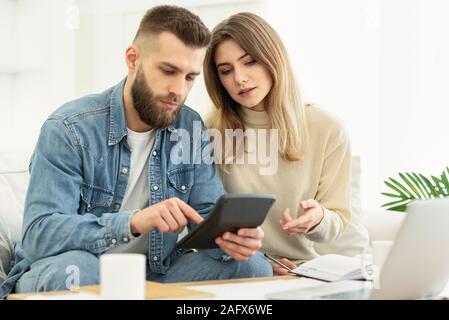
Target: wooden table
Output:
[(155, 290)]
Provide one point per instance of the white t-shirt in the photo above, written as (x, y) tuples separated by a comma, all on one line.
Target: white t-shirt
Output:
[(137, 194)]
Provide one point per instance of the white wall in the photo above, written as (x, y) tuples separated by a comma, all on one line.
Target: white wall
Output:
[(7, 75), (7, 13), (43, 69), (382, 66), (414, 108), (415, 82), (334, 46), (108, 28)]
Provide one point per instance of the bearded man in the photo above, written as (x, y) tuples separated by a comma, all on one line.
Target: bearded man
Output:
[(101, 176)]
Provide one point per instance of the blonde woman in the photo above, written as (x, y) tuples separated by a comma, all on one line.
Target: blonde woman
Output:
[(251, 83)]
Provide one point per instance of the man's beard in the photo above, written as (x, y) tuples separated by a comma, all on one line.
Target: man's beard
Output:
[(145, 103)]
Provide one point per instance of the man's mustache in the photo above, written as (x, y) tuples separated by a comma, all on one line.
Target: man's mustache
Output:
[(171, 99)]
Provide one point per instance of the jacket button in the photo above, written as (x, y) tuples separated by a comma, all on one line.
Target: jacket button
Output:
[(125, 239), (155, 188), (117, 206), (125, 170), (154, 153), (113, 241), (155, 258), (183, 188)]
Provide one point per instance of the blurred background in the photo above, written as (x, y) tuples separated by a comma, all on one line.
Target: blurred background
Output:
[(381, 66)]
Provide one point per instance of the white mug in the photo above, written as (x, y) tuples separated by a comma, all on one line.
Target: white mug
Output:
[(122, 276)]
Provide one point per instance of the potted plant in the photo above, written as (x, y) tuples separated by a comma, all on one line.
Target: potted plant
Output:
[(412, 186)]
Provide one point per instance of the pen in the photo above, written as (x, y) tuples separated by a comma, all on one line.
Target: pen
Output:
[(278, 262)]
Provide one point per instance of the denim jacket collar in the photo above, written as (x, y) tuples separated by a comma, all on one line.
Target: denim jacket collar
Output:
[(117, 119)]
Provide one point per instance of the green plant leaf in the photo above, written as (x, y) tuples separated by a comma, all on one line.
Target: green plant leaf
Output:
[(399, 185), (402, 201), (402, 194), (430, 186), (422, 192), (400, 208), (412, 187), (391, 195), (445, 181), (415, 186), (438, 186), (429, 195)]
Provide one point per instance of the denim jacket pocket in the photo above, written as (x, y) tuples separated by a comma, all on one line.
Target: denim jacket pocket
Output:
[(181, 182), (93, 197)]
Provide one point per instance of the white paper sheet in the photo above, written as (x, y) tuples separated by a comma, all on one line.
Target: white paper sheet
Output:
[(254, 290)]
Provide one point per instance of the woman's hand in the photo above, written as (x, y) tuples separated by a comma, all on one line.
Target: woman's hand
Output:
[(312, 216), (281, 271)]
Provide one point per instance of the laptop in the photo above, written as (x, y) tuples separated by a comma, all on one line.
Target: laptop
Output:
[(417, 266)]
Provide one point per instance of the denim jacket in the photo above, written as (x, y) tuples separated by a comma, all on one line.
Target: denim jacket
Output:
[(78, 176)]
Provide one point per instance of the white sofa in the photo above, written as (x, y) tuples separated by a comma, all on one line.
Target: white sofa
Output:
[(380, 224), (13, 185)]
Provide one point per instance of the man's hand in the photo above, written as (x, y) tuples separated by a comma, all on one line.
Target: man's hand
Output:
[(312, 216), (170, 215), (243, 245)]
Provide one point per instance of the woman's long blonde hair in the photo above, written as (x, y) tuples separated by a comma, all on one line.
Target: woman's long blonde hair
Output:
[(283, 103)]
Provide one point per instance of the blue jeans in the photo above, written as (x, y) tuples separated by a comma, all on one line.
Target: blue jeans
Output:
[(57, 273)]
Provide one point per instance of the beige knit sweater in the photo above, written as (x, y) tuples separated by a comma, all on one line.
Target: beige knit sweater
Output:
[(323, 174)]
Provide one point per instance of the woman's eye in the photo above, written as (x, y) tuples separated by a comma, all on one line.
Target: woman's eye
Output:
[(224, 72), (169, 72), (249, 63)]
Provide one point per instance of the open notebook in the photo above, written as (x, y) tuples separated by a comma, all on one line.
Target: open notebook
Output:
[(333, 267)]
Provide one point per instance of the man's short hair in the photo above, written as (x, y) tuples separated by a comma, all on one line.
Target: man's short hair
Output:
[(187, 26)]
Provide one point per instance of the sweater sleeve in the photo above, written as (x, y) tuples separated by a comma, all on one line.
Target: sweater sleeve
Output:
[(333, 192)]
